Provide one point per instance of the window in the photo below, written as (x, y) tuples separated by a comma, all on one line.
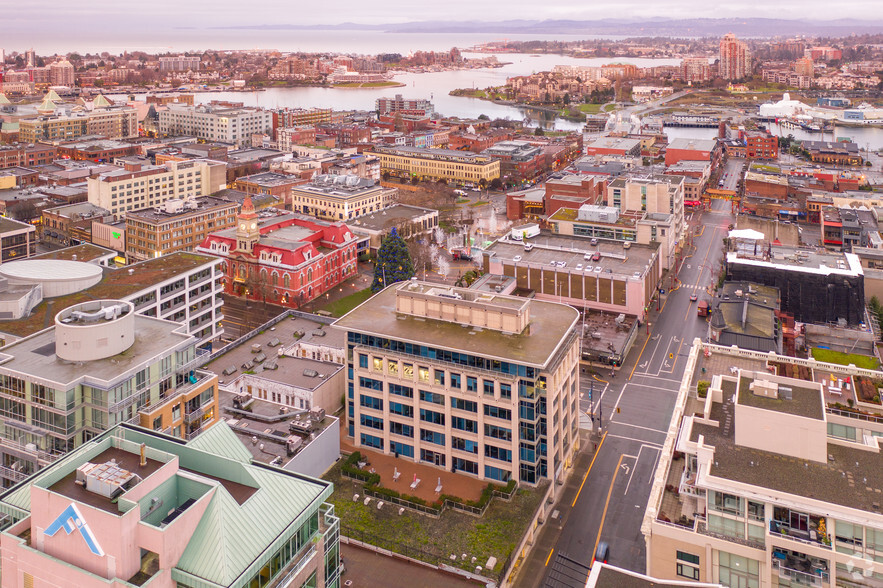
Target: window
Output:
[(496, 473), (371, 402), (506, 391), (497, 412), (439, 377), (738, 572), (403, 391), (848, 534), (363, 361), (401, 429), (372, 441), (371, 384), (727, 503), (488, 387), (467, 405), (462, 424), (432, 437), (841, 431), (378, 364), (496, 432), (465, 465), (471, 384), (401, 449), (432, 397), (464, 445), (423, 374), (498, 453), (431, 416), (401, 409), (688, 565), (371, 422), (455, 380)]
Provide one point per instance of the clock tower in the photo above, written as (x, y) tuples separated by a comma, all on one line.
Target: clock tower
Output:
[(247, 232)]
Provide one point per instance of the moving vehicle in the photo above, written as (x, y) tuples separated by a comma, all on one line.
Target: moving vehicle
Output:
[(602, 553), (693, 297), (461, 253), (702, 308)]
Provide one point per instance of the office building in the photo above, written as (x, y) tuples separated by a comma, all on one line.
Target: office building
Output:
[(140, 185), (18, 240), (100, 364), (61, 73), (136, 508), (479, 383), (520, 161), (734, 59), (763, 480), (219, 123), (341, 197), (177, 225), (178, 63), (458, 167), (420, 106), (695, 70), (284, 259), (296, 117)]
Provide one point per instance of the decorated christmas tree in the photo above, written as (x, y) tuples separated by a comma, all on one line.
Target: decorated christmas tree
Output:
[(393, 263)]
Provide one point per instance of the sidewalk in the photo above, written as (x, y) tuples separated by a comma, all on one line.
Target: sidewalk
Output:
[(532, 570)]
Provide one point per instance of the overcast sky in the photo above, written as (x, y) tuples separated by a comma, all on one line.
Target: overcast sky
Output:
[(42, 16)]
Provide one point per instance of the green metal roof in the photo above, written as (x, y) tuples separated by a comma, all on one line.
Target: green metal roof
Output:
[(230, 537), (221, 440)]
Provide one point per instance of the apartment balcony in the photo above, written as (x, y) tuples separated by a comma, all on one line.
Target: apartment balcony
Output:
[(11, 474), (702, 528), (196, 415), (297, 565), (800, 527), (800, 569)]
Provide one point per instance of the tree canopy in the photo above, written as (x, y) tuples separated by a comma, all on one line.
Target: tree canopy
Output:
[(393, 263)]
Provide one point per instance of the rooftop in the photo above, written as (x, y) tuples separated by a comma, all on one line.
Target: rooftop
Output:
[(35, 358), (345, 186), (536, 345), (115, 284), (618, 143), (441, 154), (7, 225), (548, 247), (270, 179), (693, 144), (798, 259), (804, 401), (390, 217), (166, 212)]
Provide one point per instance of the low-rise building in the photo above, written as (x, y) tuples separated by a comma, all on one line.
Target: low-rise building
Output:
[(199, 513), (614, 146), (71, 224), (177, 225), (269, 183), (520, 162), (138, 185), (112, 122), (706, 150), (746, 315), (18, 240), (341, 197), (840, 153), (458, 167), (285, 259), (408, 221)]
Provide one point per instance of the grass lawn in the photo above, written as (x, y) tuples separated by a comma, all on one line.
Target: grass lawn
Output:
[(830, 356), (340, 307), (479, 203), (590, 108), (462, 200), (432, 540), (609, 107)]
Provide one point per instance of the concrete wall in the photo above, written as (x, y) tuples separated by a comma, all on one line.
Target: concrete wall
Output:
[(319, 454)]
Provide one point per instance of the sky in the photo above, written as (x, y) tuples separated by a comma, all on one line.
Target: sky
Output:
[(96, 16)]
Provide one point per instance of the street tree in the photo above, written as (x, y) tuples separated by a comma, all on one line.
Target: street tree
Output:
[(393, 262)]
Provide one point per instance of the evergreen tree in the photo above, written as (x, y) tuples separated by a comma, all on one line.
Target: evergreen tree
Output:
[(393, 263)]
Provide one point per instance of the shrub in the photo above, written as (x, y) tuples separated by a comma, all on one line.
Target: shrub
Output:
[(702, 388)]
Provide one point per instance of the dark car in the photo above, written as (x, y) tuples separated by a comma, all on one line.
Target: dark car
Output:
[(602, 554)]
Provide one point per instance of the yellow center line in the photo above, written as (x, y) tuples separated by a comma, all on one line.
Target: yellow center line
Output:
[(600, 380), (597, 451), (701, 270), (606, 504), (637, 361), (550, 556)]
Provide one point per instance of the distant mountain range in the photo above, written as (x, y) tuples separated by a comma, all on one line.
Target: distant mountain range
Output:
[(655, 27)]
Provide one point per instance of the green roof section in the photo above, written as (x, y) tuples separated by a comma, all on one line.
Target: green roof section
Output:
[(231, 536), (221, 440)]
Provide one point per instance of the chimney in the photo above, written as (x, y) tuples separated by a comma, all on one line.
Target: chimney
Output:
[(143, 461)]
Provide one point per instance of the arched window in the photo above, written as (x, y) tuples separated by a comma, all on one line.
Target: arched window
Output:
[(287, 281), (310, 292), (310, 275), (275, 279), (242, 271), (263, 275), (301, 279)]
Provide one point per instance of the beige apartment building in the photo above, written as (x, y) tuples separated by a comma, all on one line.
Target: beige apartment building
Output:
[(479, 383), (769, 480), (136, 186), (461, 167), (114, 122), (341, 197), (178, 225)]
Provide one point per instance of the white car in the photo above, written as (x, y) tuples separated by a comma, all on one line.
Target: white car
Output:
[(589, 268), (579, 267), (598, 269), (516, 259), (562, 263)]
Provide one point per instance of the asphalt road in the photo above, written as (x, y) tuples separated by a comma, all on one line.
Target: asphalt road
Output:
[(634, 409)]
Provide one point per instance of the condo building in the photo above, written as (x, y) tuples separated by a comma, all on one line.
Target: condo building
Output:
[(224, 124), (461, 167), (478, 383)]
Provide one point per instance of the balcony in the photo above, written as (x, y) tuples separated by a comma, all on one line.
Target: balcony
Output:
[(800, 527), (702, 527), (799, 569), (297, 565), (196, 415)]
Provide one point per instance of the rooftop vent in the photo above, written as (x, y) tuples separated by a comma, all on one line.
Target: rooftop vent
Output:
[(105, 479)]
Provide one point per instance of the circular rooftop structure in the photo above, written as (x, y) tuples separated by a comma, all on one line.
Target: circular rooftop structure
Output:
[(58, 277)]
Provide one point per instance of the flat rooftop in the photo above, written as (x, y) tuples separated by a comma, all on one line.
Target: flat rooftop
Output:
[(801, 259), (805, 401), (389, 217), (8, 224), (619, 143), (693, 144), (548, 247), (35, 356), (550, 324), (114, 284), (159, 214), (852, 477)]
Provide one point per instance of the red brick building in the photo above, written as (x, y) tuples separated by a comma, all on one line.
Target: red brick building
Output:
[(27, 155), (692, 150), (288, 259), (760, 145), (98, 150)]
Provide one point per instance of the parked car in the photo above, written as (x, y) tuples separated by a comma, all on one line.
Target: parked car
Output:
[(516, 259), (602, 553)]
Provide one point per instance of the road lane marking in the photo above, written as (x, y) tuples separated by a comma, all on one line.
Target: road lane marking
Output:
[(550, 557), (606, 505), (644, 441), (597, 451), (663, 432), (639, 358)]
